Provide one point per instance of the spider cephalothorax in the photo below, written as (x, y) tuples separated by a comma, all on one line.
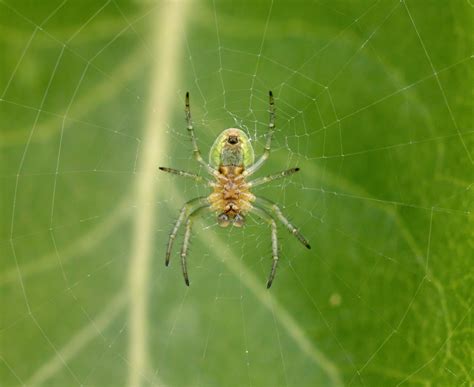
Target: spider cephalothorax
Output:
[(231, 148), (231, 162)]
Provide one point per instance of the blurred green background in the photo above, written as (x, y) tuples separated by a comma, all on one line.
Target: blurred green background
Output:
[(374, 103)]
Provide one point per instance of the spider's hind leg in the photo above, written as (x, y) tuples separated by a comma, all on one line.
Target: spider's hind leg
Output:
[(189, 208), (271, 207), (269, 219), (187, 237)]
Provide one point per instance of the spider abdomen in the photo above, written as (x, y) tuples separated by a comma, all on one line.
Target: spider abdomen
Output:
[(231, 195)]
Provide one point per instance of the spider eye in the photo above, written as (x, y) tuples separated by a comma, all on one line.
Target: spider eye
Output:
[(223, 220), (233, 140), (239, 220)]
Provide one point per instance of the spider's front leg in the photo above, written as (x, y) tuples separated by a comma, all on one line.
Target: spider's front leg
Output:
[(268, 141), (189, 208), (179, 172), (269, 178), (196, 151)]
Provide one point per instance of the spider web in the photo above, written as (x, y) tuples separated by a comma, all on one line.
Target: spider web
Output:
[(372, 105)]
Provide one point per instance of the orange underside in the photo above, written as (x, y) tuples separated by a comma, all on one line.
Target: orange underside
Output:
[(231, 194)]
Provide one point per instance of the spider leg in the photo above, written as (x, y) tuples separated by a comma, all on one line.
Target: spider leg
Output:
[(267, 179), (189, 207), (273, 208), (185, 247), (184, 174), (269, 219), (196, 151), (268, 142)]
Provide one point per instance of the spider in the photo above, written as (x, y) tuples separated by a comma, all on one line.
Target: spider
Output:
[(231, 162)]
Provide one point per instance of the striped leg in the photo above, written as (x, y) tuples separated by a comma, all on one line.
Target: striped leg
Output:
[(184, 174), (268, 142), (267, 179), (188, 208), (267, 218), (185, 247), (273, 208), (196, 151)]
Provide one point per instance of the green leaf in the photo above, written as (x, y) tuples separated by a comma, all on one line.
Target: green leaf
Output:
[(373, 104)]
